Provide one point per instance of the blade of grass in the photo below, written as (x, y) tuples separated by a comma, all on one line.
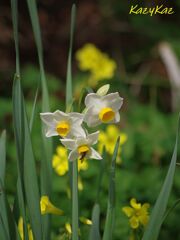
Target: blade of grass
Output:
[(14, 8), (2, 156), (29, 170), (109, 224), (7, 218), (69, 94), (46, 168), (18, 121), (33, 110), (169, 211), (94, 231), (3, 214), (155, 222)]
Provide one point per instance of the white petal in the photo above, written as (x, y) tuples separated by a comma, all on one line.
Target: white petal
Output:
[(60, 116), (47, 118), (95, 154), (49, 132), (77, 118), (91, 118), (69, 143), (113, 100), (92, 99), (81, 141), (73, 155), (77, 131), (93, 138), (117, 117)]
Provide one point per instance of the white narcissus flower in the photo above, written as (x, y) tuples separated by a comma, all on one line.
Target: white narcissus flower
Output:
[(81, 147), (102, 109), (63, 124)]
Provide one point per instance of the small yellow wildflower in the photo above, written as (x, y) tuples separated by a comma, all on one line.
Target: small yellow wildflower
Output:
[(108, 139), (101, 67), (21, 230), (60, 162), (48, 207), (138, 214)]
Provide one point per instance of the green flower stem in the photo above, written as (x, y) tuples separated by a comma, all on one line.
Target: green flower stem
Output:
[(75, 224)]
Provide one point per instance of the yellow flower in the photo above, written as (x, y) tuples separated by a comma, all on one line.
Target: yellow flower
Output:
[(68, 228), (60, 162), (85, 220), (48, 207), (108, 139), (21, 230), (138, 214), (90, 58)]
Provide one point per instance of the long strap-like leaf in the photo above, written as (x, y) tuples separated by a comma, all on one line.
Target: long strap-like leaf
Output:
[(155, 222), (109, 225)]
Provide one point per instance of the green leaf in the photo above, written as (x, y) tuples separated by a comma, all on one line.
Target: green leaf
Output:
[(94, 231), (46, 168), (14, 9), (156, 218), (69, 97), (2, 156), (7, 226), (109, 224), (19, 132), (29, 176), (33, 110), (4, 226)]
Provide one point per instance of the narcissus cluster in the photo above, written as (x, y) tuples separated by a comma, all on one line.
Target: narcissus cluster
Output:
[(100, 108)]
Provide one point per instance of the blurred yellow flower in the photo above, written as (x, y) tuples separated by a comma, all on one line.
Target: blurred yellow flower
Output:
[(101, 67), (48, 207), (85, 220), (21, 230), (68, 228), (138, 214), (80, 184), (60, 161), (108, 139)]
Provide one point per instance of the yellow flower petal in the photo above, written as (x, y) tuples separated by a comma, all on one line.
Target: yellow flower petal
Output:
[(128, 211), (68, 228), (134, 222), (134, 204), (21, 230), (85, 220), (48, 207)]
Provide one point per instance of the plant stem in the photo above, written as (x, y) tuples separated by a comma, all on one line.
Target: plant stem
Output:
[(75, 224)]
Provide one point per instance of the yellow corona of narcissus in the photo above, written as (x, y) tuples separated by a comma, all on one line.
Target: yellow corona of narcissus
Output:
[(102, 109), (48, 207), (137, 213), (63, 124), (60, 162), (100, 66), (81, 147), (21, 230)]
